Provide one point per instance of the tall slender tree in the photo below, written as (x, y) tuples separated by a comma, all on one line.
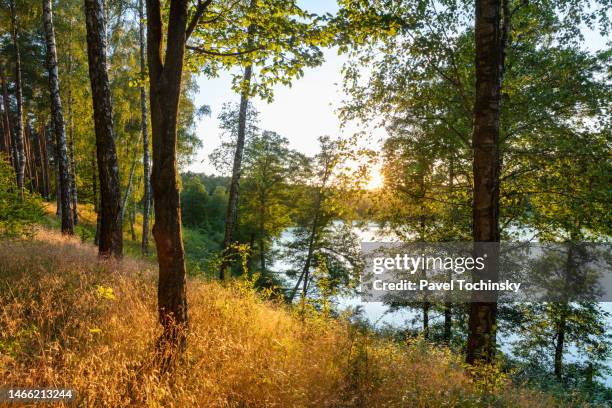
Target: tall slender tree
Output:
[(111, 238), (165, 74), (18, 135), (6, 121), (44, 162), (232, 205), (256, 33), (146, 161), (71, 158), (4, 141), (72, 162), (58, 119), (128, 189)]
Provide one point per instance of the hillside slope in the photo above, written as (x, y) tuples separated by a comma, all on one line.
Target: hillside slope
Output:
[(69, 320)]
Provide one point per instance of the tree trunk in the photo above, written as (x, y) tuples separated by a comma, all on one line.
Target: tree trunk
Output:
[(251, 251), (561, 325), (111, 238), (73, 187), (4, 142), (18, 142), (58, 119), (295, 288), (132, 217), (448, 306), (426, 306), (311, 243), (560, 342), (128, 189), (313, 230), (58, 191), (448, 322), (42, 140), (485, 141), (422, 232), (96, 202), (262, 231), (145, 133), (165, 74), (38, 163), (7, 120), (232, 204), (30, 170)]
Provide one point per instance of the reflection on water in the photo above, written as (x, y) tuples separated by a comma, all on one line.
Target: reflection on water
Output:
[(379, 314)]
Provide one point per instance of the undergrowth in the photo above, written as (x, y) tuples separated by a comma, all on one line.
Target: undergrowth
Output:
[(70, 320)]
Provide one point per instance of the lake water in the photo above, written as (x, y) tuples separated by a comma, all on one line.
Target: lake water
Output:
[(378, 314)]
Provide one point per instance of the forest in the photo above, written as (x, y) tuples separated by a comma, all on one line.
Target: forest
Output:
[(160, 249)]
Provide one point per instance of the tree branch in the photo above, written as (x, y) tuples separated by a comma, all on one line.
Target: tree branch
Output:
[(223, 54), (200, 9)]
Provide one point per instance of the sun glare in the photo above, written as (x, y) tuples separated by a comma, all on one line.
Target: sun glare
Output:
[(376, 180)]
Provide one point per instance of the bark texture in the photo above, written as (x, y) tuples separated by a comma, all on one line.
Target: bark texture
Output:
[(111, 239), (73, 187), (128, 189), (7, 120), (5, 143), (58, 119), (146, 161), (561, 323), (165, 73), (18, 135), (232, 204), (37, 164), (42, 139), (485, 142)]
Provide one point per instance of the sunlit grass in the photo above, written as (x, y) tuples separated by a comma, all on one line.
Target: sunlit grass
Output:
[(69, 320), (85, 230)]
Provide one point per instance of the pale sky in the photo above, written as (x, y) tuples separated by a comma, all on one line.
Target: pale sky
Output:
[(300, 113)]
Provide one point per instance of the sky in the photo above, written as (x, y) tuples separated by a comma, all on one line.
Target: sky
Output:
[(302, 112)]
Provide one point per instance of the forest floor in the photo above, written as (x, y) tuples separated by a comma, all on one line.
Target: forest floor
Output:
[(71, 320)]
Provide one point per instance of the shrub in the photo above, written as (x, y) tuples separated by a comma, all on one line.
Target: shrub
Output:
[(17, 217)]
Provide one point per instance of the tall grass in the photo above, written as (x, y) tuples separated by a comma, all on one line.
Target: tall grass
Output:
[(70, 320)]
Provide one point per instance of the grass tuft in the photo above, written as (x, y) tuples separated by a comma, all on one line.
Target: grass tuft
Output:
[(70, 320)]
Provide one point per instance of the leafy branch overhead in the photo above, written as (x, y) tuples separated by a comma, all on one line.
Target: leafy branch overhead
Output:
[(276, 37)]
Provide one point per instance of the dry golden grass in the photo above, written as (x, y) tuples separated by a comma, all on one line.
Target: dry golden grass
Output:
[(69, 320)]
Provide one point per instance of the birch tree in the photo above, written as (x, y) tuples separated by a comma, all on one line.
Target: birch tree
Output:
[(58, 120), (111, 237)]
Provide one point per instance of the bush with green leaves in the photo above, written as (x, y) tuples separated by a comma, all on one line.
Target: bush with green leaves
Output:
[(17, 216)]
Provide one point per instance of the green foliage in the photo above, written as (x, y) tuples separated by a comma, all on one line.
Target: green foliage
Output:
[(276, 37), (586, 337), (323, 226), (17, 217), (223, 156), (203, 203), (554, 144), (265, 208), (194, 200)]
